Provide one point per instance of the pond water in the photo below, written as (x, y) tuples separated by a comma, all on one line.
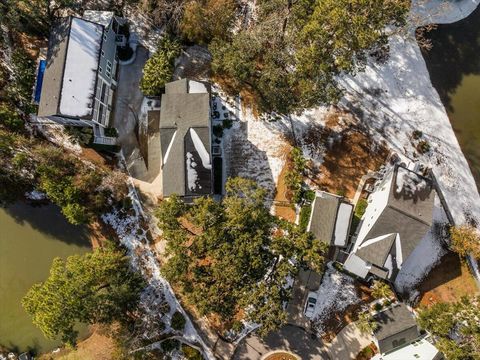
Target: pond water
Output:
[(454, 67), (30, 237)]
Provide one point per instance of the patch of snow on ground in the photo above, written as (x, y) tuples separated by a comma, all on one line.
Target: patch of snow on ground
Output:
[(397, 98), (337, 291), (133, 237), (35, 195), (425, 257), (81, 64), (55, 133)]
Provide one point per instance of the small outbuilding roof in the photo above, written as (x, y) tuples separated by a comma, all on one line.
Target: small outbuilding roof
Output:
[(330, 218)]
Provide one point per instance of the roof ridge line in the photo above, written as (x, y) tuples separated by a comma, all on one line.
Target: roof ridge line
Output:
[(409, 215)]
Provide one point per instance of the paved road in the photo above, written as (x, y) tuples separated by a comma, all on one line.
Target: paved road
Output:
[(348, 343), (291, 338)]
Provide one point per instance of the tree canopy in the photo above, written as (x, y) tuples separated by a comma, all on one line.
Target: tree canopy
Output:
[(204, 20), (98, 287), (289, 55), (381, 289), (457, 325), (159, 68), (465, 240), (231, 256)]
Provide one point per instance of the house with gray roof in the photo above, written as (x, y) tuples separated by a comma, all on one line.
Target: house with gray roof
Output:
[(80, 76), (184, 136), (398, 215), (330, 220), (397, 336)]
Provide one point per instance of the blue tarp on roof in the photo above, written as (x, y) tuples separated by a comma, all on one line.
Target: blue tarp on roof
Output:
[(41, 70)]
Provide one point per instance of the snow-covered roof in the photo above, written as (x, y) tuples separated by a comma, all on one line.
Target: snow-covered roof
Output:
[(81, 66), (197, 87), (100, 17), (343, 224)]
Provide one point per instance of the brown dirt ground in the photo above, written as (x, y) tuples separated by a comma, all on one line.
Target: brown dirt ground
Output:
[(95, 347), (281, 356), (364, 354), (339, 320), (286, 212), (100, 233), (95, 158), (347, 161), (447, 282)]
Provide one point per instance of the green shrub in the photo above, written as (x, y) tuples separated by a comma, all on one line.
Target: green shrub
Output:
[(20, 160), (309, 195), (227, 123), (178, 321), (191, 353), (423, 147), (10, 118), (218, 130), (305, 216), (111, 132), (341, 192), (417, 134), (159, 68), (169, 345), (361, 207), (378, 306), (81, 135)]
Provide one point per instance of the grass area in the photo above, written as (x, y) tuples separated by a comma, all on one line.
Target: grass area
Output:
[(447, 282), (95, 347), (350, 156), (360, 209)]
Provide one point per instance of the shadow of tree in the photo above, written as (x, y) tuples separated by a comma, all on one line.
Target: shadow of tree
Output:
[(49, 220)]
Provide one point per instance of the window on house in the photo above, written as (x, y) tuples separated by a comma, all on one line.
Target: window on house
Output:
[(108, 71), (104, 90), (103, 53), (100, 70)]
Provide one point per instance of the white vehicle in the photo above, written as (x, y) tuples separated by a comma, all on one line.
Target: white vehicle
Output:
[(310, 304)]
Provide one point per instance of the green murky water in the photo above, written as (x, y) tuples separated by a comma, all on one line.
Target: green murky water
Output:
[(454, 67), (30, 237)]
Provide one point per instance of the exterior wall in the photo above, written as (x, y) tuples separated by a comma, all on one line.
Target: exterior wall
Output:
[(106, 77)]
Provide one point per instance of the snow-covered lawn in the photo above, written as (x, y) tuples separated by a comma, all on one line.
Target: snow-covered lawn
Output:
[(335, 294), (397, 98)]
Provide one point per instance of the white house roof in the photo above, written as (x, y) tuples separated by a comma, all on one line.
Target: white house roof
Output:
[(417, 350), (342, 224), (81, 66)]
